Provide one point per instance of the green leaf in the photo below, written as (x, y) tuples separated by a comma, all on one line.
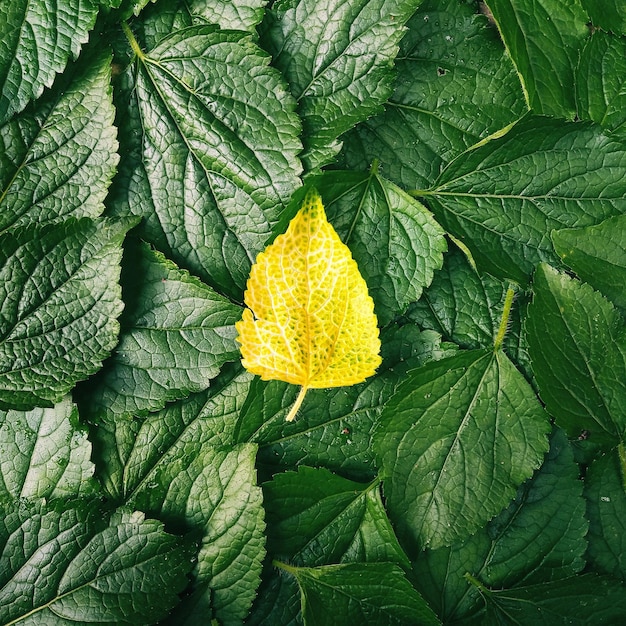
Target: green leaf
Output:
[(577, 601), (209, 162), (504, 197), (317, 518), (544, 39), (455, 441), (361, 593), (176, 335), (607, 14), (538, 538), (393, 238), (229, 14), (277, 602), (68, 565), (600, 81), (58, 157), (60, 323), (44, 454), (606, 509), (334, 427), (37, 38), (577, 345), (598, 255), (337, 57), (455, 86)]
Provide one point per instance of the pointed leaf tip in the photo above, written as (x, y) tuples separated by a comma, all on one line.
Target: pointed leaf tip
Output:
[(310, 320)]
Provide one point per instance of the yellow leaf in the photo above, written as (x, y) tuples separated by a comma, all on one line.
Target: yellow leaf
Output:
[(310, 320)]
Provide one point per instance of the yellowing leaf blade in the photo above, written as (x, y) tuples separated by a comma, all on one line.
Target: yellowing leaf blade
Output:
[(310, 320)]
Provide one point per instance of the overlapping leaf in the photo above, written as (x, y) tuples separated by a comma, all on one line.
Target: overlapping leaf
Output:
[(59, 303), (504, 197), (455, 87), (455, 441), (176, 335), (337, 58), (37, 38), (58, 157), (210, 140), (609, 15)]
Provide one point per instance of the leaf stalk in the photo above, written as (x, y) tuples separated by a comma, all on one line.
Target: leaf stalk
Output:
[(297, 404), (504, 321)]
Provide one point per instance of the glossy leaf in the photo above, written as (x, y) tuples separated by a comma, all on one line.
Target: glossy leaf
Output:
[(544, 39), (44, 454), (577, 347), (62, 322), (503, 197), (176, 335), (456, 440), (455, 87), (37, 39), (337, 58), (57, 158), (310, 320), (229, 14)]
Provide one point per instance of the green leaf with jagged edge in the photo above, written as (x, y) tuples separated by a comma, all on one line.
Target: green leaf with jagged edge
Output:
[(609, 15), (455, 87), (277, 602), (600, 94), (538, 538), (61, 323), (503, 198), (544, 39), (576, 601), (58, 157), (361, 593), (454, 443), (315, 517), (68, 564), (394, 239), (605, 491), (337, 56), (176, 335), (577, 345), (229, 14), (209, 162), (334, 428), (45, 454), (37, 39), (598, 256)]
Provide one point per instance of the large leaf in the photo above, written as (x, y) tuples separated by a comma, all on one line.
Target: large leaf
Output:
[(37, 38), (58, 157), (337, 58), (393, 238), (455, 87), (210, 141), (577, 345), (44, 454), (504, 197), (455, 441), (606, 509), (310, 320), (538, 538), (176, 335), (600, 93), (67, 566), (544, 39), (598, 255), (60, 323), (361, 593), (317, 518)]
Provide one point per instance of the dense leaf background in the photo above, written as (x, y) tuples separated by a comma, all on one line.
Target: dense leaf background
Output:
[(472, 155)]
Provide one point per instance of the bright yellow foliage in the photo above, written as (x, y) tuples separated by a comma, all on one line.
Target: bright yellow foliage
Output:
[(310, 320)]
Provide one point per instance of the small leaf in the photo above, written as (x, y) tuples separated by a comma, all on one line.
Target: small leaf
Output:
[(37, 38), (310, 320), (577, 345), (44, 454), (609, 15), (62, 566), (62, 322), (229, 14), (598, 255), (455, 441)]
